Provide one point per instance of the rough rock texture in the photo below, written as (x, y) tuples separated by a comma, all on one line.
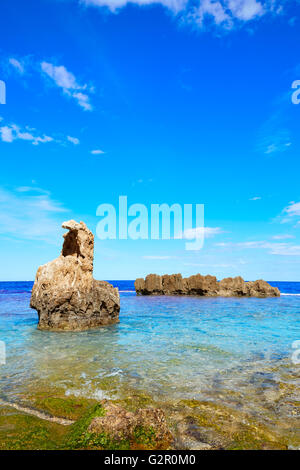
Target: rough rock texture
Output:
[(65, 294), (203, 286), (146, 423)]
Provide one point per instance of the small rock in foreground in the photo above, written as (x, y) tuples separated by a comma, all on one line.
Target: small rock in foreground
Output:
[(145, 428)]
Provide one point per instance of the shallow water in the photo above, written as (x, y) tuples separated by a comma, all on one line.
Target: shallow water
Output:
[(229, 349)]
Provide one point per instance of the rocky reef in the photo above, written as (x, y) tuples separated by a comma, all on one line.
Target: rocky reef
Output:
[(199, 285), (65, 294), (144, 427), (139, 422)]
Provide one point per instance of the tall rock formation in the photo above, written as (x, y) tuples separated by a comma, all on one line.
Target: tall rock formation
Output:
[(65, 294)]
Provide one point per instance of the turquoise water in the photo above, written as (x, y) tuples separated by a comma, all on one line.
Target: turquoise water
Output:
[(171, 347)]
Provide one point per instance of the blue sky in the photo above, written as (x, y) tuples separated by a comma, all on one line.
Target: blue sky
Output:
[(165, 102)]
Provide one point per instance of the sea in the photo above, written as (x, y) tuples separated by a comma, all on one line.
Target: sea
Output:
[(237, 350)]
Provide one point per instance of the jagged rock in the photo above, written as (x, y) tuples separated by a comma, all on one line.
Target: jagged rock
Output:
[(140, 286), (173, 284), (119, 424), (152, 284), (235, 286), (261, 288), (203, 286), (65, 294)]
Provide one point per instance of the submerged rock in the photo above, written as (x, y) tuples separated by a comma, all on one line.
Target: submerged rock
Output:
[(200, 285), (65, 294)]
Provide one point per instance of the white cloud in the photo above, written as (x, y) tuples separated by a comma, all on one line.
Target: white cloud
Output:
[(6, 134), (252, 244), (205, 265), (83, 101), (42, 140), (224, 13), (255, 198), (113, 5), (68, 83), (284, 236), (28, 189), (12, 132), (290, 213), (158, 257), (211, 9), (245, 10), (30, 214), (278, 147), (192, 233), (61, 76), (97, 152), (17, 65), (293, 209), (283, 249), (73, 140), (273, 137)]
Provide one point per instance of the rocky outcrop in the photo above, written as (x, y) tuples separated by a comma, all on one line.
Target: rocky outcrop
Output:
[(65, 294), (175, 284), (146, 426)]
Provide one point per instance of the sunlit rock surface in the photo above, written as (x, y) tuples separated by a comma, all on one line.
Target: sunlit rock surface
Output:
[(65, 294), (200, 285)]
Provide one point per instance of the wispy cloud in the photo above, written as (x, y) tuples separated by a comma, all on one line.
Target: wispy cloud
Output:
[(255, 198), (73, 140), (192, 233), (246, 10), (10, 133), (273, 248), (34, 189), (285, 249), (290, 213), (17, 65), (284, 236), (55, 74), (278, 147), (114, 5), (206, 265), (30, 213), (225, 14), (211, 10), (293, 209), (97, 152), (249, 244), (68, 83), (157, 257), (274, 139)]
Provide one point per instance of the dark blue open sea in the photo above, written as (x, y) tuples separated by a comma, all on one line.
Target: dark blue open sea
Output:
[(172, 347)]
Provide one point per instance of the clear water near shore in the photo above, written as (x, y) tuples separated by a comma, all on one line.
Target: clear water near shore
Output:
[(237, 350)]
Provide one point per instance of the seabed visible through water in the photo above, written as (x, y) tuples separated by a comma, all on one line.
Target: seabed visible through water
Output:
[(221, 368)]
